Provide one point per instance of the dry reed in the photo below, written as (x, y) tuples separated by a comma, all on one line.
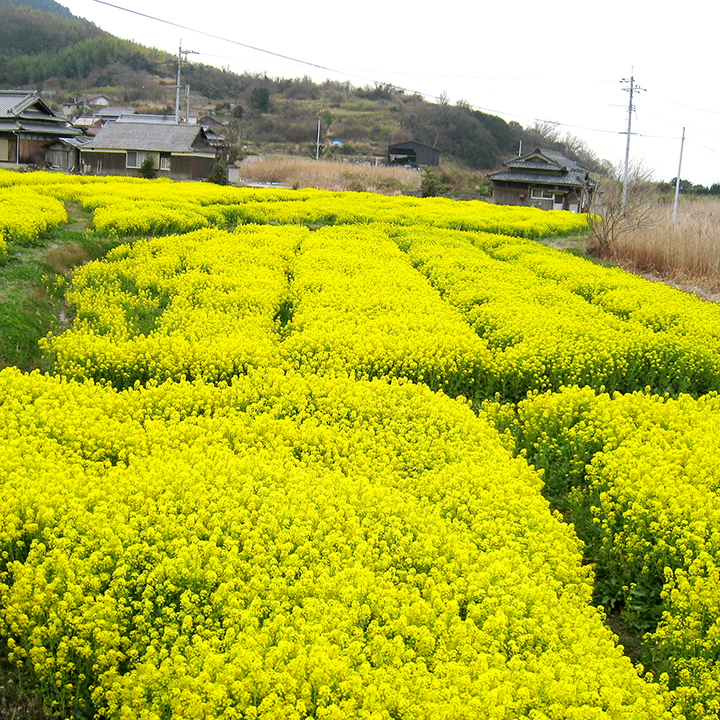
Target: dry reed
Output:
[(329, 175), (685, 253)]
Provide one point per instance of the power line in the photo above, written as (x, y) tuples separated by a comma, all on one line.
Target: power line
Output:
[(376, 82), (323, 67), (234, 42)]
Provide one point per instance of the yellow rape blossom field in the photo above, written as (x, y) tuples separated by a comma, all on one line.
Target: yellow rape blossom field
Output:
[(304, 454)]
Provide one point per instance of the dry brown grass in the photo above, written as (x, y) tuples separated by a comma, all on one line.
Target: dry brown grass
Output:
[(329, 175), (687, 253)]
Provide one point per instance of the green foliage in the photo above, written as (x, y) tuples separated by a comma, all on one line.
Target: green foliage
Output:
[(432, 185), (689, 188), (260, 100), (218, 174), (479, 141), (147, 168)]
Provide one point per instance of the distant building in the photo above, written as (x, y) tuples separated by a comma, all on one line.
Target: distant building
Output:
[(413, 153), (545, 179), (110, 114), (209, 121), (27, 127), (137, 117), (98, 101), (214, 130), (181, 152)]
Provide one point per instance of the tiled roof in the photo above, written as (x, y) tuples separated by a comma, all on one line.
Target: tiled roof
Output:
[(568, 179), (26, 106), (12, 102), (555, 169), (147, 137)]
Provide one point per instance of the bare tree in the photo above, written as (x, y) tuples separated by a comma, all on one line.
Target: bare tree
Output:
[(549, 131), (609, 220)]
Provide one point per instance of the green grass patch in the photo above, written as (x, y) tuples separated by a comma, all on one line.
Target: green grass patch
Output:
[(33, 283)]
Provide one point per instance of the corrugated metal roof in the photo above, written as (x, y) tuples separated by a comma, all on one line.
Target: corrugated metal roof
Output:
[(153, 119), (115, 111), (77, 142), (147, 137)]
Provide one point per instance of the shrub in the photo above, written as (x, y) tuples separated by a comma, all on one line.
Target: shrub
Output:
[(218, 174), (147, 168)]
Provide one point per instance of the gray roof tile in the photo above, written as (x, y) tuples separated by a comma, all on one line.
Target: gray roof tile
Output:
[(147, 137)]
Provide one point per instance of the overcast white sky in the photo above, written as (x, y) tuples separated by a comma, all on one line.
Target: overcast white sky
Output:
[(521, 60)]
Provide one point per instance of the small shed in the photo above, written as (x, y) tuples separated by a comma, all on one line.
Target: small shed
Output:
[(413, 153), (64, 153)]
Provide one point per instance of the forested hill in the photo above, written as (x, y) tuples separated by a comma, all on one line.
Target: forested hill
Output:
[(43, 46), (49, 6)]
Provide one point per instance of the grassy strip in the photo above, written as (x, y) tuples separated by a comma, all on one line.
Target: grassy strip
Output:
[(32, 286)]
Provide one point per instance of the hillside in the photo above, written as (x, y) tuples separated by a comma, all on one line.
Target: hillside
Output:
[(49, 6), (43, 46)]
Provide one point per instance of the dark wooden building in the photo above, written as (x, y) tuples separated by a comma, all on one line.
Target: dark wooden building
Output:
[(180, 152), (545, 179), (64, 153), (27, 127), (413, 153)]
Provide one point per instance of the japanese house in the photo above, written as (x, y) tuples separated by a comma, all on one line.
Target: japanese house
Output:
[(27, 127), (545, 179), (180, 152)]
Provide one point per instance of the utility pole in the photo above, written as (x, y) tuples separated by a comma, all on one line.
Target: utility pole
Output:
[(677, 180), (317, 150), (177, 84), (632, 89)]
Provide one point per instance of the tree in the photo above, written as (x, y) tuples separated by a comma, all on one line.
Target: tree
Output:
[(260, 100), (432, 185), (218, 174), (147, 168), (610, 219)]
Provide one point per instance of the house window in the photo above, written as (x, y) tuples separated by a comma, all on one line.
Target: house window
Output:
[(540, 194), (164, 163), (135, 158)]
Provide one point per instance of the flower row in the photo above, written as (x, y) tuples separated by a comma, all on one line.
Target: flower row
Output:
[(290, 546), (553, 319), (639, 476), (132, 207)]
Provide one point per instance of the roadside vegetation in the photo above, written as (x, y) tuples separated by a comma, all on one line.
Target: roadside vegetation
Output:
[(687, 252), (644, 238)]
